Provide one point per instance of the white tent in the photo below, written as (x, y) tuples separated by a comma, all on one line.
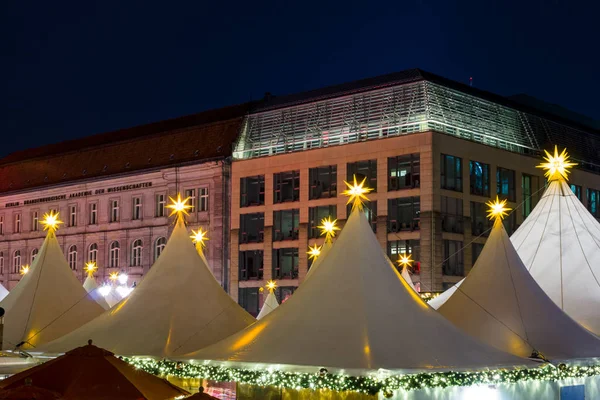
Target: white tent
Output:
[(355, 313), (324, 250), (559, 244), (112, 297), (437, 302), (3, 292), (269, 305), (178, 307), (91, 287), (48, 302), (501, 304)]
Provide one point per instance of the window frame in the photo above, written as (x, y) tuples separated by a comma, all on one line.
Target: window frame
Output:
[(458, 180)]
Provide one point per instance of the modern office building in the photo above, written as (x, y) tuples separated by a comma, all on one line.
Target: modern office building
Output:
[(433, 150), (112, 191)]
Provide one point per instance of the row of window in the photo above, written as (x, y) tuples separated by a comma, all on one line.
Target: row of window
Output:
[(114, 210), (114, 255), (403, 173)]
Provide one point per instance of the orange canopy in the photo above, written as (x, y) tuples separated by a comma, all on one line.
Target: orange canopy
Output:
[(90, 372)]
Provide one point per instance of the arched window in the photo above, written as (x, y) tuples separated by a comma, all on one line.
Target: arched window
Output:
[(17, 261), (115, 250), (159, 246), (34, 253), (72, 257), (93, 252), (136, 253), (1, 263)]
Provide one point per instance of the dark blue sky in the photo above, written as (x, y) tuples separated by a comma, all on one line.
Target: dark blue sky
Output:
[(73, 69)]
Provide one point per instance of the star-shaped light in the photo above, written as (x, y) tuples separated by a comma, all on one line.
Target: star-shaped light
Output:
[(271, 285), (199, 236), (50, 221), (557, 166), (24, 269), (179, 206), (328, 227), (405, 260), (497, 208), (113, 276), (90, 267), (314, 252), (357, 193)]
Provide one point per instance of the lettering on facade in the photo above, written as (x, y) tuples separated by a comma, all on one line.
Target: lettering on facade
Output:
[(86, 193)]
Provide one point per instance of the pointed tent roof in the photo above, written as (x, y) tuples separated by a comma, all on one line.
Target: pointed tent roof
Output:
[(559, 244), (324, 251), (501, 304), (355, 313), (48, 302), (91, 287), (269, 305), (406, 276), (3, 292), (178, 307), (438, 301)]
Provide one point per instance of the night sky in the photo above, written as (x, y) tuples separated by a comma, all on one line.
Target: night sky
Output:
[(72, 69)]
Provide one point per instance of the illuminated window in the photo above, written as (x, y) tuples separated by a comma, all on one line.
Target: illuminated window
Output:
[(160, 205), (136, 213), (114, 210), (35, 221), (252, 227), (248, 300), (190, 194), (93, 252), (72, 257), (404, 172), (593, 202), (480, 223), (453, 264), (285, 263), (34, 253), (404, 214), (136, 253), (93, 207), (252, 191), (203, 199), (451, 173), (505, 184), (529, 184), (159, 246), (452, 214), (115, 252), (322, 182), (479, 174), (73, 215), (363, 169), (16, 261), (286, 224), (17, 223), (251, 265), (286, 186), (577, 191)]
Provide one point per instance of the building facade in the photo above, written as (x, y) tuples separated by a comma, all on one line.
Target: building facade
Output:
[(434, 152)]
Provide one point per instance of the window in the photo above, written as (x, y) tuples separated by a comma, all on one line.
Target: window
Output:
[(453, 264), (1, 263), (323, 182), (396, 248), (159, 246), (505, 183), (282, 293), (252, 191), (115, 252), (529, 185), (451, 173), (316, 215), (251, 265), (452, 214), (73, 215), (203, 199), (593, 202), (403, 214), (17, 223), (576, 190), (114, 210), (480, 224), (136, 213), (476, 249), (72, 257), (93, 213), (2, 225), (190, 194), (35, 221), (370, 209), (252, 227), (93, 252), (285, 263), (363, 169), (286, 186), (160, 205), (248, 300), (136, 253), (286, 224), (480, 178), (16, 261), (404, 172), (34, 253)]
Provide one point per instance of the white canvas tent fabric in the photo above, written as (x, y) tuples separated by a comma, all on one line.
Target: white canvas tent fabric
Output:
[(112, 297), (48, 301), (269, 305), (501, 304), (559, 244), (324, 250), (406, 276), (91, 287), (355, 313), (177, 308), (3, 292), (437, 302)]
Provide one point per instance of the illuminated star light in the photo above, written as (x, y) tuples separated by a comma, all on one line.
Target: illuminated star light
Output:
[(199, 236), (314, 252), (24, 269), (51, 221), (328, 227), (405, 260), (179, 206), (90, 267), (271, 285), (357, 193), (497, 208), (557, 166), (113, 276)]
